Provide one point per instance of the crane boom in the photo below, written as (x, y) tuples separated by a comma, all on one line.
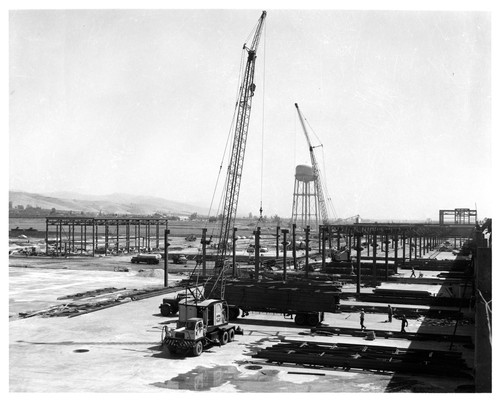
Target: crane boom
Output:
[(235, 168), (317, 179)]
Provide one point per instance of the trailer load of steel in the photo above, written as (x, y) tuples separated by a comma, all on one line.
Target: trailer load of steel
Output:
[(437, 265), (307, 301)]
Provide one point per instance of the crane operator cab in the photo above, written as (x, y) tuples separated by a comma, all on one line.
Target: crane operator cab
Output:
[(211, 312)]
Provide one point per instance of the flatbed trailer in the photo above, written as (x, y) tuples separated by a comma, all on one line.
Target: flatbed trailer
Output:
[(306, 301)]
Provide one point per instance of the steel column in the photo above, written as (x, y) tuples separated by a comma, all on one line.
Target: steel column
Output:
[(323, 248), (234, 252), (165, 268), (284, 231), (277, 243), (46, 236), (257, 253), (386, 256), (358, 263), (106, 238), (308, 229), (203, 251)]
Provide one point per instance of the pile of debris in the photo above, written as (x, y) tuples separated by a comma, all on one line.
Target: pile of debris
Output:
[(93, 300)]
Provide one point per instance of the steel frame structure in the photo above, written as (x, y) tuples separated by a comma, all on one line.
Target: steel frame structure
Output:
[(65, 227)]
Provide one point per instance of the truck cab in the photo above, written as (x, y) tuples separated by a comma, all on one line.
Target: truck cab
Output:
[(212, 312)]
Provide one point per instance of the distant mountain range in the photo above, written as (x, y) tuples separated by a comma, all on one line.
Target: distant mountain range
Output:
[(107, 204)]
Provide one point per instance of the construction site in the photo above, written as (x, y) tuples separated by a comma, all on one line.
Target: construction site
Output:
[(315, 304)]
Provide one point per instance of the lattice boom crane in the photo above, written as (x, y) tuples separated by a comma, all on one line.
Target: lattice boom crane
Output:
[(235, 168), (317, 179)]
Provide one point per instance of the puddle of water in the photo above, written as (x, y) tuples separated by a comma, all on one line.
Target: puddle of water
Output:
[(201, 378)]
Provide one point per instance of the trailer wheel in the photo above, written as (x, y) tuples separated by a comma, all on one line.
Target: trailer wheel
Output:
[(197, 348), (313, 319), (300, 319), (230, 335), (166, 309), (224, 338)]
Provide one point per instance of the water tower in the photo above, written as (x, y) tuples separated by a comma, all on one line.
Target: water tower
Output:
[(305, 199)]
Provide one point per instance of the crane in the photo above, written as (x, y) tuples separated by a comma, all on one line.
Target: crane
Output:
[(235, 168), (317, 179)]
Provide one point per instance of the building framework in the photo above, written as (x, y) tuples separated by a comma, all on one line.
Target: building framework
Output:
[(103, 235), (461, 216)]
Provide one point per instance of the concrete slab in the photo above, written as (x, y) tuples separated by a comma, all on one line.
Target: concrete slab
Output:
[(117, 349)]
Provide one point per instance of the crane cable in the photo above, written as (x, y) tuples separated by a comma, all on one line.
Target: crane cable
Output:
[(231, 129), (228, 142)]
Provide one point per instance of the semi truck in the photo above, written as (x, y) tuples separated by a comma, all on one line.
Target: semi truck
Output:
[(200, 324)]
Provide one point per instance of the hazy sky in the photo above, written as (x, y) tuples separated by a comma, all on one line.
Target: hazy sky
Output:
[(141, 102)]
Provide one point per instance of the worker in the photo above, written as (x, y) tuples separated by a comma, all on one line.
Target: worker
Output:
[(389, 313), (362, 319), (413, 273), (404, 323)]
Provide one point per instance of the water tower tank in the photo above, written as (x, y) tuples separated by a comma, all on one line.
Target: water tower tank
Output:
[(304, 173)]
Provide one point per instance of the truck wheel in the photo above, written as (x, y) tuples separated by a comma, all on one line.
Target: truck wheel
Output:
[(166, 310), (172, 349), (224, 338), (197, 348), (300, 319), (230, 335), (313, 319)]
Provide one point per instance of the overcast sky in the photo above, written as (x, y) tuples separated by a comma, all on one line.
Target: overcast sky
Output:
[(141, 102)]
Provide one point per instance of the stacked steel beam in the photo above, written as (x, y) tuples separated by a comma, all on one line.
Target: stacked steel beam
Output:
[(358, 356)]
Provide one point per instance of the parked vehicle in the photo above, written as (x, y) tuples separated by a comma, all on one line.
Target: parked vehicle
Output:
[(170, 304), (146, 258), (179, 259)]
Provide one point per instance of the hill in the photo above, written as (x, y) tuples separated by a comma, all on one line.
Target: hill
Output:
[(123, 204)]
